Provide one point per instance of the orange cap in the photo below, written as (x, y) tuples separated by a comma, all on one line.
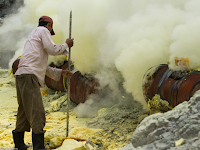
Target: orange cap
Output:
[(47, 19)]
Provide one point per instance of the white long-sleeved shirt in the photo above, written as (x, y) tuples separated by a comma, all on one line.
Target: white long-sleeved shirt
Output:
[(38, 47)]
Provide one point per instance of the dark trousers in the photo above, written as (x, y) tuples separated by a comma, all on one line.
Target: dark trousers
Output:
[(31, 113)]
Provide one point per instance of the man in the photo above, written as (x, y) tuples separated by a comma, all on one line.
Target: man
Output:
[(30, 76)]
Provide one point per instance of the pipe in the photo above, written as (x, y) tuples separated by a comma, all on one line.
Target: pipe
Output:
[(80, 86), (15, 65), (56, 85), (172, 86)]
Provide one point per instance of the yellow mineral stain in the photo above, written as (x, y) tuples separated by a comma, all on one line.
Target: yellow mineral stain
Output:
[(179, 142)]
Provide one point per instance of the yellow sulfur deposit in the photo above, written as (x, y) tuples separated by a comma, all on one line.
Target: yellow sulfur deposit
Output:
[(179, 142), (158, 104), (84, 133), (110, 137), (179, 61), (71, 144), (66, 57)]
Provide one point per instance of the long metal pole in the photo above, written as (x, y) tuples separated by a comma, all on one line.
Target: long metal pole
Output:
[(68, 79)]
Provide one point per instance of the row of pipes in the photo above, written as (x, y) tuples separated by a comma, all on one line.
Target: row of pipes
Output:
[(170, 85), (80, 86)]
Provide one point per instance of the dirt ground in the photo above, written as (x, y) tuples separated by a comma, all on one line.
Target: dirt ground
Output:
[(111, 129)]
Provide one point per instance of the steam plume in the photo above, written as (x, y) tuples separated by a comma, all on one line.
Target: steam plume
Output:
[(126, 36)]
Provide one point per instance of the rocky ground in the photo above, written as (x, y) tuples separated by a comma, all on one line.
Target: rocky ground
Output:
[(116, 124), (124, 126), (177, 129), (110, 129)]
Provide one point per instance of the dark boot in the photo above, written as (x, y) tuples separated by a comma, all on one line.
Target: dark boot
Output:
[(38, 141), (18, 138)]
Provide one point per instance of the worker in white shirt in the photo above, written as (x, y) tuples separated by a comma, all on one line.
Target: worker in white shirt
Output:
[(30, 76)]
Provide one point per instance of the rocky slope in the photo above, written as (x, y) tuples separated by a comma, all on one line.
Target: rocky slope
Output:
[(177, 129)]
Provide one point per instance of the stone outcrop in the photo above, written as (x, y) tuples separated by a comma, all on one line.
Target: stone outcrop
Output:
[(177, 129)]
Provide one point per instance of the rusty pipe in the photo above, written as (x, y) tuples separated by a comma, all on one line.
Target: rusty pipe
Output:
[(164, 82), (80, 86)]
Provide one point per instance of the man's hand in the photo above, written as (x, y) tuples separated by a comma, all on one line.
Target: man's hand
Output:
[(70, 42), (67, 73)]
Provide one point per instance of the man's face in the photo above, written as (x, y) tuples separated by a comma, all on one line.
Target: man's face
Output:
[(49, 26)]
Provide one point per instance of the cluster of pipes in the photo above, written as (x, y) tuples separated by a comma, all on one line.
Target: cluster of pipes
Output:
[(174, 87), (80, 86)]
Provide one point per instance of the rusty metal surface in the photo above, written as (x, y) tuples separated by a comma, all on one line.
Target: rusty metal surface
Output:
[(166, 88), (160, 72), (80, 86), (170, 89), (151, 79), (188, 87), (73, 89), (15, 65), (56, 85)]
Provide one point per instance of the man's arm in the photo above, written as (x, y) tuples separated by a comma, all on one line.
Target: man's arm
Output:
[(56, 73), (53, 49), (53, 73)]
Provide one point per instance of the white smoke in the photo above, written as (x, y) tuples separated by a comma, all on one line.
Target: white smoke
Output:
[(12, 31), (18, 52), (186, 36), (129, 36)]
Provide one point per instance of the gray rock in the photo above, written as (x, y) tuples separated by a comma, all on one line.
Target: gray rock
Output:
[(128, 147), (160, 131)]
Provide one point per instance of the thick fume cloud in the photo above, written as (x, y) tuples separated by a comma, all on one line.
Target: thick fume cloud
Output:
[(12, 32), (129, 36), (186, 36)]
